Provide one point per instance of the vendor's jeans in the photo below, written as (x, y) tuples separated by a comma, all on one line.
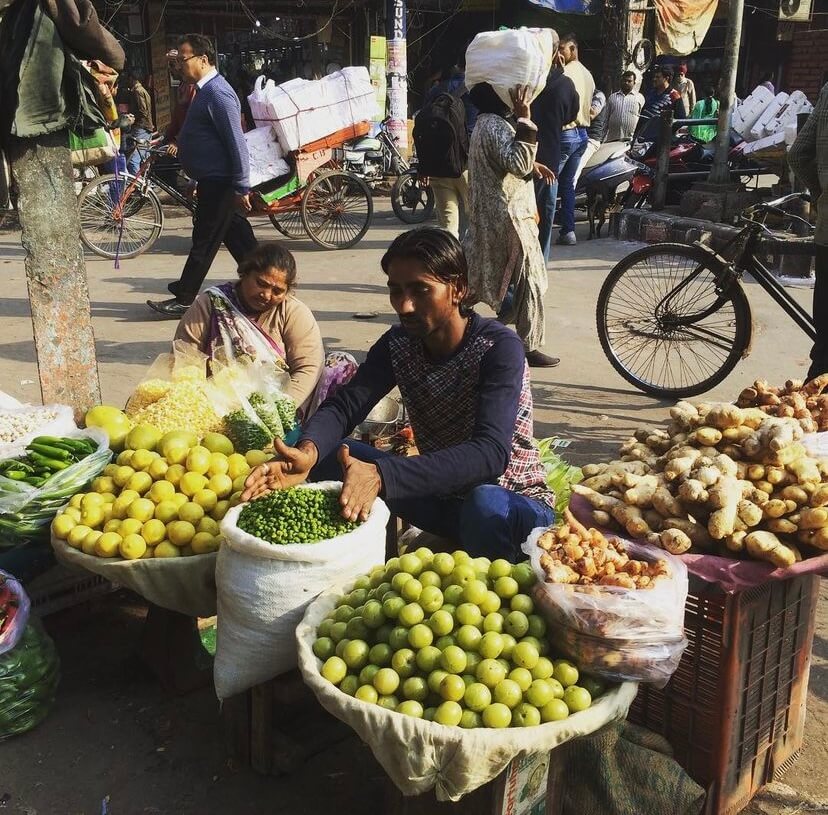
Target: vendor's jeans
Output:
[(573, 144), (490, 521), (546, 197), (135, 158)]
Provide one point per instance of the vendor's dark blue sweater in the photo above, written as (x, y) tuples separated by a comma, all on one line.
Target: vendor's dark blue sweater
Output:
[(211, 143), (471, 414)]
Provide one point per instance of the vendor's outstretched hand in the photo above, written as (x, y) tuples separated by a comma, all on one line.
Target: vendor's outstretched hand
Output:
[(289, 469), (361, 484)]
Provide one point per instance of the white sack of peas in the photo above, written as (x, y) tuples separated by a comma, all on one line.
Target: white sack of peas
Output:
[(264, 589)]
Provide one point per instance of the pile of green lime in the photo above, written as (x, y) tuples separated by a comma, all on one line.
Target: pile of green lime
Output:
[(450, 639)]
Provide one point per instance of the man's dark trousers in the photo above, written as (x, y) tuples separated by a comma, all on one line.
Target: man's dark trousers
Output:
[(819, 353), (216, 221)]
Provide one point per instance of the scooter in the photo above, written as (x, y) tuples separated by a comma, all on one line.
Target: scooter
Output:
[(609, 168)]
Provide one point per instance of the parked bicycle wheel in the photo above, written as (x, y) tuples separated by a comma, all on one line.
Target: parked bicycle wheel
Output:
[(337, 209), (411, 203), (289, 223), (117, 220), (670, 323)]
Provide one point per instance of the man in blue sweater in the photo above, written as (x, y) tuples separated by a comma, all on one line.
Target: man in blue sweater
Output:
[(464, 380), (213, 152)]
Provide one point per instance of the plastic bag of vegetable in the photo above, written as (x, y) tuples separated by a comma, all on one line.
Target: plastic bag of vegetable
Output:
[(612, 627), (14, 611), (560, 475), (27, 509), (29, 676), (20, 423), (261, 409)]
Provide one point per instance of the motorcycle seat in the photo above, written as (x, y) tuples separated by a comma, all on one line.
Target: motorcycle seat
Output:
[(607, 151)]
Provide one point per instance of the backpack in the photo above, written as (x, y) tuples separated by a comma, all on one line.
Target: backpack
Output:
[(440, 137)]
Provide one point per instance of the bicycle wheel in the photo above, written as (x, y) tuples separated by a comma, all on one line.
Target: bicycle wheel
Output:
[(288, 223), (411, 203), (110, 226), (337, 209), (667, 325)]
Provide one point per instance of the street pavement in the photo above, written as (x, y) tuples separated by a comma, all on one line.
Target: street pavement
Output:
[(113, 731)]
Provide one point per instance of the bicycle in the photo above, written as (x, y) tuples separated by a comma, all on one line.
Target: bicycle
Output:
[(674, 320), (121, 214)]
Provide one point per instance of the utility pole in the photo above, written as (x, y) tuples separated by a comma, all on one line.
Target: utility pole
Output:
[(396, 13), (55, 271), (720, 173)]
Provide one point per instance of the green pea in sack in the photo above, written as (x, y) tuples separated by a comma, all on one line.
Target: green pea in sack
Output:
[(263, 589)]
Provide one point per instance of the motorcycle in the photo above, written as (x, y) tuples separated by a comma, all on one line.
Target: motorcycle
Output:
[(377, 159), (687, 155)]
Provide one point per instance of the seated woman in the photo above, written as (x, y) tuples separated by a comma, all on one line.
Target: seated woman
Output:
[(259, 318), (464, 379)]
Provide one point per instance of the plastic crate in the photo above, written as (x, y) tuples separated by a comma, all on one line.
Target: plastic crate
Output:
[(734, 711), (60, 588)]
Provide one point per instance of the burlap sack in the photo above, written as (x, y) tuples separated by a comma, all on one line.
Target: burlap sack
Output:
[(184, 584)]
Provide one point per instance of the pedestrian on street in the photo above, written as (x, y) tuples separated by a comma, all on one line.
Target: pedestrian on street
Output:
[(478, 480), (808, 158), (506, 267), (706, 108), (596, 131), (140, 106), (661, 97), (449, 183), (623, 109), (184, 95), (573, 136), (213, 152), (556, 105), (686, 88)]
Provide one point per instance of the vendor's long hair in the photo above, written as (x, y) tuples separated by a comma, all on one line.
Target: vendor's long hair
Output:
[(437, 250)]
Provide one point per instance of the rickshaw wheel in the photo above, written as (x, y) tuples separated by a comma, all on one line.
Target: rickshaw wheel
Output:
[(289, 223), (337, 209)]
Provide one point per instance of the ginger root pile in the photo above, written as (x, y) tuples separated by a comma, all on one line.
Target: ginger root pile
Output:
[(805, 402), (719, 478), (576, 555)]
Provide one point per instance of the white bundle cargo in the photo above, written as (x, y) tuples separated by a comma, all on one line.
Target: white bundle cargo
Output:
[(796, 103), (505, 59), (775, 105), (266, 158), (749, 110), (302, 111)]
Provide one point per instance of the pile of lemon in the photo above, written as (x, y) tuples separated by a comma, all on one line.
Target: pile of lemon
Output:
[(163, 497)]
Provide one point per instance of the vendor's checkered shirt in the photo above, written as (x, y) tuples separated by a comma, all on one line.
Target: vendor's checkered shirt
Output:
[(442, 404)]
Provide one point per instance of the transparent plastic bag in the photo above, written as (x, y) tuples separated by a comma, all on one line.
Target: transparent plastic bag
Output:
[(619, 660), (29, 676), (261, 410), (653, 615), (613, 632), (26, 511), (20, 423), (175, 394), (14, 611)]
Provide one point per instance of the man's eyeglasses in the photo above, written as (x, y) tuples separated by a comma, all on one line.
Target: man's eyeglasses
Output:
[(179, 59)]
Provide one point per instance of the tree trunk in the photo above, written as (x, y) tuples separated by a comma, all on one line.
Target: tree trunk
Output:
[(55, 271)]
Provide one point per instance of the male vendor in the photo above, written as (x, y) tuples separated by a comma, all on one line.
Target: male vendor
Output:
[(463, 378)]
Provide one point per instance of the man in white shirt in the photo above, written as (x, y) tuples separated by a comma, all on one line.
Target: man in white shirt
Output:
[(573, 136), (624, 108)]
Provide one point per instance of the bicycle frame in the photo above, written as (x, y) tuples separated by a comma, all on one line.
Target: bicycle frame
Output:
[(145, 178), (729, 274)]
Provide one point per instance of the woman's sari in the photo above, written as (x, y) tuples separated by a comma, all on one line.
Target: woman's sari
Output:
[(235, 337)]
